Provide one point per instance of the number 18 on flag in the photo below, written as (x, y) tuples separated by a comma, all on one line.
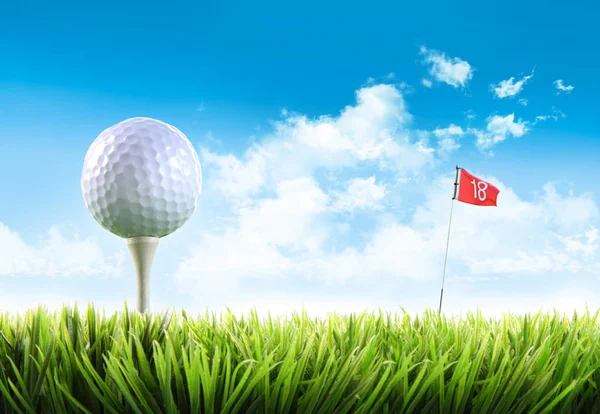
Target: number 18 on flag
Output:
[(473, 190)]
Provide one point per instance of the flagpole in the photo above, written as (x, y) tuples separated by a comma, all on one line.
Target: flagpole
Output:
[(448, 239)]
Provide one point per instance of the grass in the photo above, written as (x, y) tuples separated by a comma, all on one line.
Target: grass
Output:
[(73, 362)]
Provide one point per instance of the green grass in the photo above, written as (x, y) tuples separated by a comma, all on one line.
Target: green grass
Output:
[(378, 362)]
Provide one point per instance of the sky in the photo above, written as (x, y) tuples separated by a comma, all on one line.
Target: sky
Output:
[(328, 135)]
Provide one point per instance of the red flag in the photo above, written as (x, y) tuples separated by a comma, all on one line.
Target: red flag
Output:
[(474, 190)]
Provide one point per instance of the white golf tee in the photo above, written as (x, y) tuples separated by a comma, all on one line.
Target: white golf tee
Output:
[(142, 251)]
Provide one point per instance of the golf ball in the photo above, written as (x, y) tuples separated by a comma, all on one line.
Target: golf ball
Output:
[(141, 177)]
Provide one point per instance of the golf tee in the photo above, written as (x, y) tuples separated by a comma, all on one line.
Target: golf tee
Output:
[(142, 250)]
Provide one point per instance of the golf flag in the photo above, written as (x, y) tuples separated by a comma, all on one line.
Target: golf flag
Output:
[(473, 190)]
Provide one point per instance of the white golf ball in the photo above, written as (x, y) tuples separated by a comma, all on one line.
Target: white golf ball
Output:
[(141, 177)]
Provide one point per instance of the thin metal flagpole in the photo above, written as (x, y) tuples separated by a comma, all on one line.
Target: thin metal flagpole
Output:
[(448, 239)]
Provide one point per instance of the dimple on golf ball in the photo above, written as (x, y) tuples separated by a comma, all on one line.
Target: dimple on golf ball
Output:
[(141, 177)]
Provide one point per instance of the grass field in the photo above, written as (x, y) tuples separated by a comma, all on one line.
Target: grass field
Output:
[(73, 361)]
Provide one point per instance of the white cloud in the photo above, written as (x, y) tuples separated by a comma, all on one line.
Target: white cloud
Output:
[(453, 71), (372, 131), (523, 102), (234, 178), (584, 243), (448, 138), (405, 88), (569, 211), (498, 128), (55, 255), (209, 137), (509, 88), (426, 83), (254, 247), (556, 115), (562, 87), (360, 194), (363, 131), (541, 118)]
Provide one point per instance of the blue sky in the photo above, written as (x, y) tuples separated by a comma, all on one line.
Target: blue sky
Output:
[(328, 136)]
